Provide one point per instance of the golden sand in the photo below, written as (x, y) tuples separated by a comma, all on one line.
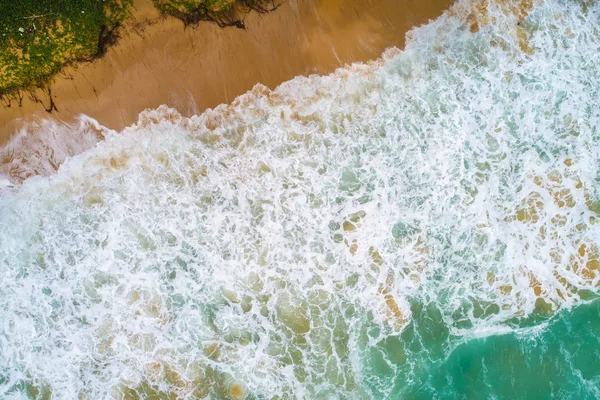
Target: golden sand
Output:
[(236, 391), (158, 61)]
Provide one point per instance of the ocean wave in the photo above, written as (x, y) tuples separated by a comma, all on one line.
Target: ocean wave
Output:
[(292, 241)]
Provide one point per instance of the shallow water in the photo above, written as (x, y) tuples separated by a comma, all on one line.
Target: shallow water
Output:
[(422, 226)]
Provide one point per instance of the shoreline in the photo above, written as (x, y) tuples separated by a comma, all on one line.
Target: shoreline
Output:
[(158, 61)]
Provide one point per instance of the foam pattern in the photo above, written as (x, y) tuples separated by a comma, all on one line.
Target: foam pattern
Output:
[(300, 243)]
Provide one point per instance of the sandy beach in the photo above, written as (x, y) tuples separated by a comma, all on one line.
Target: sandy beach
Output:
[(399, 225), (158, 61)]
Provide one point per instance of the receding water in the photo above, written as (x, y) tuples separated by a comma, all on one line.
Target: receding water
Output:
[(425, 226)]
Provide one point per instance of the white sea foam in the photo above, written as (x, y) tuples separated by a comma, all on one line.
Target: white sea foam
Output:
[(40, 147), (268, 246)]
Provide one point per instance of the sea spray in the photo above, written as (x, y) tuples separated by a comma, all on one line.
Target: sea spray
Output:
[(40, 147), (340, 237)]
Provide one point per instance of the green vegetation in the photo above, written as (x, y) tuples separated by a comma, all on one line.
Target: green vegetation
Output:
[(222, 12), (39, 37), (190, 11)]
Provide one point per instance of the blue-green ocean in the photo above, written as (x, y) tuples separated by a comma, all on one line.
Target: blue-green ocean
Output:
[(424, 226)]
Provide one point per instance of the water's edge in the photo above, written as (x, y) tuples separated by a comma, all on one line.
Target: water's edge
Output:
[(425, 225)]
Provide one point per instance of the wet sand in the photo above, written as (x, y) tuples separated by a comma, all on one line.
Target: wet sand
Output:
[(157, 61)]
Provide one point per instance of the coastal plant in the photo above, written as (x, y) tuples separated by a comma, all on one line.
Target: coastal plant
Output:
[(39, 37), (222, 12)]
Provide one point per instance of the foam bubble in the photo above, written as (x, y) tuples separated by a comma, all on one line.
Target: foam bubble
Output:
[(40, 147), (312, 239)]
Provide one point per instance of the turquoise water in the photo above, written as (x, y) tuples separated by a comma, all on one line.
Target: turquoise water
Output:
[(423, 226), (559, 360)]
